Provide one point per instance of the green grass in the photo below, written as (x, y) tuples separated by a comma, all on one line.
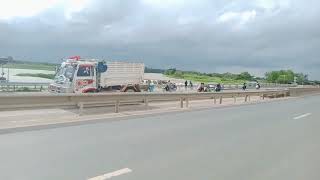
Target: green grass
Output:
[(41, 75), (205, 78), (31, 65)]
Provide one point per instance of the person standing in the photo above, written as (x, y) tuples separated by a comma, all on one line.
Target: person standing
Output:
[(201, 87), (244, 87), (258, 86), (186, 85), (218, 87)]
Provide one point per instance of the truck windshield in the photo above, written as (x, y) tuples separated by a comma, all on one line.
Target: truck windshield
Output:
[(69, 71), (84, 70), (65, 72)]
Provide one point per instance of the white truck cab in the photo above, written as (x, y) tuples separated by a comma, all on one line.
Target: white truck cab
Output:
[(75, 75)]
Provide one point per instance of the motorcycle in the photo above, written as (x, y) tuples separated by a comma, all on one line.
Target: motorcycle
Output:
[(170, 87)]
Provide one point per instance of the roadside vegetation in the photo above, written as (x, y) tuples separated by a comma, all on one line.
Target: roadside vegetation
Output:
[(152, 70), (225, 78), (280, 77), (286, 77)]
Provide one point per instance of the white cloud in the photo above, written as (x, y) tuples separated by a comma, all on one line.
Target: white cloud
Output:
[(185, 20), (164, 3), (24, 8), (28, 8), (271, 5), (72, 6), (239, 18)]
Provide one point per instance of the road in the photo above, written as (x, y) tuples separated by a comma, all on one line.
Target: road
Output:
[(277, 140)]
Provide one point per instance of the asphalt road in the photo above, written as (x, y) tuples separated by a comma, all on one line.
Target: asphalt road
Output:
[(277, 140)]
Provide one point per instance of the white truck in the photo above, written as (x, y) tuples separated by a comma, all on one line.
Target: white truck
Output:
[(76, 75)]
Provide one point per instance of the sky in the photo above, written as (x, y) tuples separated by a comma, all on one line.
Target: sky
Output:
[(202, 35)]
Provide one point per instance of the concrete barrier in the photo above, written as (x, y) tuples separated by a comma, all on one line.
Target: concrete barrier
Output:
[(24, 101), (301, 91)]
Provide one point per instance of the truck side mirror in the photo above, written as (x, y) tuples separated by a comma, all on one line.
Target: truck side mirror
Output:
[(102, 67)]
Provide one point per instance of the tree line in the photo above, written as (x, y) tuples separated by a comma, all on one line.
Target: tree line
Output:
[(223, 76), (286, 77), (281, 76)]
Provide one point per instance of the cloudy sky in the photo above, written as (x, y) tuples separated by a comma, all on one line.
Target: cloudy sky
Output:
[(204, 35)]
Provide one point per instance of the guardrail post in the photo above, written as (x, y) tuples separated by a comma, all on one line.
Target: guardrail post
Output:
[(215, 100), (146, 103), (187, 102), (220, 99), (246, 98), (116, 108), (80, 105), (181, 102)]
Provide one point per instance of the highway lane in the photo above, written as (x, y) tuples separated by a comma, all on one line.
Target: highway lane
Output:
[(277, 140)]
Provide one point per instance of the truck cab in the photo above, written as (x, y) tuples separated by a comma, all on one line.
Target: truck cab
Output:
[(75, 76)]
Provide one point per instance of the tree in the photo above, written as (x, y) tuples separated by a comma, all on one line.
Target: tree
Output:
[(282, 76), (244, 76), (170, 71), (272, 76)]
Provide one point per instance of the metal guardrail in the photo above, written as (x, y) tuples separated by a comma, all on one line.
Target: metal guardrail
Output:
[(34, 86), (23, 101), (22, 86), (304, 90)]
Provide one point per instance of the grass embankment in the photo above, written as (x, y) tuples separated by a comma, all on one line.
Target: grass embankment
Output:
[(41, 75)]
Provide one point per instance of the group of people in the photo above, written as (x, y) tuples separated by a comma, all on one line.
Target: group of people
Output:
[(244, 86), (202, 87), (207, 88), (186, 84), (170, 86)]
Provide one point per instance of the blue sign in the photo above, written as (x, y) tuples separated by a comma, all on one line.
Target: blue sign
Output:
[(102, 67)]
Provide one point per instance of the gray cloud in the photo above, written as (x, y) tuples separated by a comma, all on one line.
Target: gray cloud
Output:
[(254, 36)]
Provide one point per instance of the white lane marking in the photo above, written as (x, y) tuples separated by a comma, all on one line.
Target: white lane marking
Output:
[(112, 174), (302, 116)]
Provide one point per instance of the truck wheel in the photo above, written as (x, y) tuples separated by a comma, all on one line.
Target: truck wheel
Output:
[(136, 88), (90, 91), (131, 88)]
